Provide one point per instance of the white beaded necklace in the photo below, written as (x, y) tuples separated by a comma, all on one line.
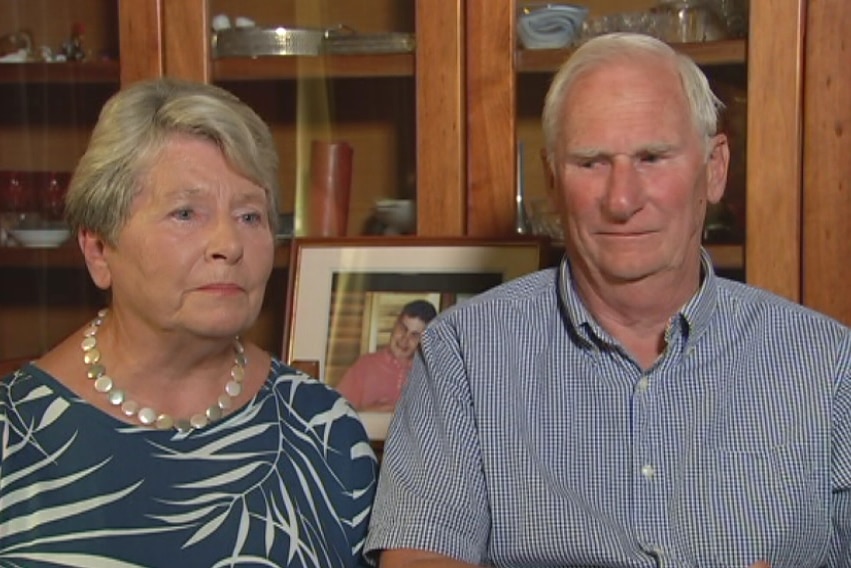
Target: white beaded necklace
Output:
[(103, 383)]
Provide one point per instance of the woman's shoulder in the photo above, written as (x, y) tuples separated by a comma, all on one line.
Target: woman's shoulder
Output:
[(315, 411), (308, 397)]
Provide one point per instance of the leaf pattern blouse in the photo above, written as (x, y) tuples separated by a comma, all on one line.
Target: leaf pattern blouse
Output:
[(287, 480)]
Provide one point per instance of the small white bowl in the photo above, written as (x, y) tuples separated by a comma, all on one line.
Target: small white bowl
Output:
[(398, 214), (40, 238)]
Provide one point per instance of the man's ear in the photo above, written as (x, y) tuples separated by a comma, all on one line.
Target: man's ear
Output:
[(93, 247), (549, 175), (554, 197), (717, 165)]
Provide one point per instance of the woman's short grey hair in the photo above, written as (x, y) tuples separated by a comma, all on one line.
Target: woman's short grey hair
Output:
[(134, 126), (703, 104)]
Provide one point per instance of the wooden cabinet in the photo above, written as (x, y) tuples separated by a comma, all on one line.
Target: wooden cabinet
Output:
[(402, 112), (441, 124)]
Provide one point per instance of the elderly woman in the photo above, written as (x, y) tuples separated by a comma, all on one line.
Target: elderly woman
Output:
[(156, 436)]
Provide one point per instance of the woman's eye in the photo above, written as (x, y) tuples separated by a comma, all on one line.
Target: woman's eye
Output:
[(183, 214), (252, 218)]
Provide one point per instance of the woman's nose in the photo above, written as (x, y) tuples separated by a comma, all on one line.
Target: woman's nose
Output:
[(224, 241)]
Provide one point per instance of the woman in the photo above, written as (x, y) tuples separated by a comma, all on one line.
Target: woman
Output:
[(155, 435)]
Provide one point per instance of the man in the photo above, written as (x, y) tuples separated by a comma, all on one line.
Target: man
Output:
[(629, 408), (374, 382)]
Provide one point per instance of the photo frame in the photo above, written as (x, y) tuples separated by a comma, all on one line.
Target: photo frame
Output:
[(345, 294)]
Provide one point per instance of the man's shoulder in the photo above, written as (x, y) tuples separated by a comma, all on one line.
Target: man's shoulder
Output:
[(532, 295), (758, 305)]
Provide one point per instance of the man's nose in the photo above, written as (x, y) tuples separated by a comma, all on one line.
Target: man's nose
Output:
[(624, 191)]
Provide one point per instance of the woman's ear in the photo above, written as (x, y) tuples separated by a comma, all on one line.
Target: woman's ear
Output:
[(93, 246)]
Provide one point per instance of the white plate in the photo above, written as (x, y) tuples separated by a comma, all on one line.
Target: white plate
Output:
[(40, 238)]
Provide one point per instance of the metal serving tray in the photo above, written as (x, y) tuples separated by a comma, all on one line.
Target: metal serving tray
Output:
[(254, 42)]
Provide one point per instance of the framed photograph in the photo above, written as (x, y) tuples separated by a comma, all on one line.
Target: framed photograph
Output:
[(356, 306)]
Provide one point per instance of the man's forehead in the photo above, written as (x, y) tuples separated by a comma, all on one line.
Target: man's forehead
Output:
[(412, 323)]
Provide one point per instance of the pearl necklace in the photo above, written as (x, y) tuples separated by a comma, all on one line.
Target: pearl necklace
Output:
[(147, 416)]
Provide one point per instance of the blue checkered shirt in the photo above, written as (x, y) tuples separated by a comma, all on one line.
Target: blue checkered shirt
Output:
[(527, 436)]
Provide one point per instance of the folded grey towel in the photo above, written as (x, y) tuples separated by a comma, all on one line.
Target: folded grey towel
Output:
[(550, 26)]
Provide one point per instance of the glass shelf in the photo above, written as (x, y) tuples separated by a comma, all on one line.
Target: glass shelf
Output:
[(727, 52), (300, 67), (69, 256), (106, 72)]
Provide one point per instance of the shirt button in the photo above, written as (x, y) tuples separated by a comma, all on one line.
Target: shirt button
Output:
[(643, 384), (648, 471)]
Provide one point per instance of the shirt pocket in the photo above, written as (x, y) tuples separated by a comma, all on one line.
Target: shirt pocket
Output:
[(768, 504)]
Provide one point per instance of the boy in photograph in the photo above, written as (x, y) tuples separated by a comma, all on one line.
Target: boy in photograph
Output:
[(374, 382)]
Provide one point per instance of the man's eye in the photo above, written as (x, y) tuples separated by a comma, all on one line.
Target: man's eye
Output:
[(650, 158), (589, 163)]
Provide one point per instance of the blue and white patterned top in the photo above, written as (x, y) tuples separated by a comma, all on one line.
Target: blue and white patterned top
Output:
[(287, 480), (527, 436)]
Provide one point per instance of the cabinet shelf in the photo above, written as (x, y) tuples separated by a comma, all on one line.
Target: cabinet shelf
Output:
[(299, 67), (69, 256), (94, 72), (725, 52)]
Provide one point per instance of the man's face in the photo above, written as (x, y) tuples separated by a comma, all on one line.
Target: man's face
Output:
[(631, 176), (405, 337)]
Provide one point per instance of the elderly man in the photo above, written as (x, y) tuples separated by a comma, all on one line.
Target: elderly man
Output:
[(629, 408)]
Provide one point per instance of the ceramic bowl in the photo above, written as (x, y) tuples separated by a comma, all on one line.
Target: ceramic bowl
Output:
[(400, 215), (40, 238)]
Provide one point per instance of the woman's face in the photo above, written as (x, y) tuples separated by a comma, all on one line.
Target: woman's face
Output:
[(197, 249)]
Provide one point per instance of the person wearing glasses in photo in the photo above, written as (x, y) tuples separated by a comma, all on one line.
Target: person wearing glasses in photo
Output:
[(628, 408)]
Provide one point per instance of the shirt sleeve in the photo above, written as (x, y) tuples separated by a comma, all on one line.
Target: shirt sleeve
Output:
[(841, 553), (432, 493)]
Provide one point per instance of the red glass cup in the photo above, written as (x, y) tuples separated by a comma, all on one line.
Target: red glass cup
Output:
[(52, 187), (16, 192)]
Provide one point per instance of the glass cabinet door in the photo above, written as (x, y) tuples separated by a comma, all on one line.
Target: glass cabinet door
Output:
[(721, 52), (59, 62), (748, 66), (368, 83)]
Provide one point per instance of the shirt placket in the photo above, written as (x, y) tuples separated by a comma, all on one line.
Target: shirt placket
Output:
[(651, 478)]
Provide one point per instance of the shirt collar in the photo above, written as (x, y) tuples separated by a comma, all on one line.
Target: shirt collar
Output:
[(691, 320)]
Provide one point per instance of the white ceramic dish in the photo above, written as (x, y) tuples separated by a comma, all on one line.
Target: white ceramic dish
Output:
[(40, 238), (398, 214)]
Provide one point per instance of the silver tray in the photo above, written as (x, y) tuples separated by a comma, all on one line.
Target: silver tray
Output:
[(351, 43), (252, 42)]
